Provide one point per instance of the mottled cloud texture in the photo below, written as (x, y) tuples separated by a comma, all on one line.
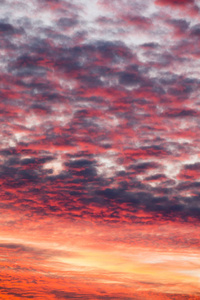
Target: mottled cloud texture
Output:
[(100, 139)]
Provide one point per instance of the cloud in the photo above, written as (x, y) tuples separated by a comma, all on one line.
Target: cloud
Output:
[(190, 172), (177, 2), (99, 112), (139, 22)]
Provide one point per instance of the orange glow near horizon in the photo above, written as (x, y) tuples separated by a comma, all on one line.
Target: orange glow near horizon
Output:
[(152, 261)]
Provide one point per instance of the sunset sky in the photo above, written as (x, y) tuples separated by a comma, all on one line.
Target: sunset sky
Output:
[(100, 149)]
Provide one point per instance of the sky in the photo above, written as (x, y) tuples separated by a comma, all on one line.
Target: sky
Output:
[(100, 139)]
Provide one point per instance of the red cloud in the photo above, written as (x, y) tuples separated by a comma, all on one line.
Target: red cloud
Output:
[(190, 172), (186, 6), (174, 2), (138, 21)]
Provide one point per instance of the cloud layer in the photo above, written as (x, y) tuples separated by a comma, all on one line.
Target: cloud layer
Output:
[(100, 127)]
